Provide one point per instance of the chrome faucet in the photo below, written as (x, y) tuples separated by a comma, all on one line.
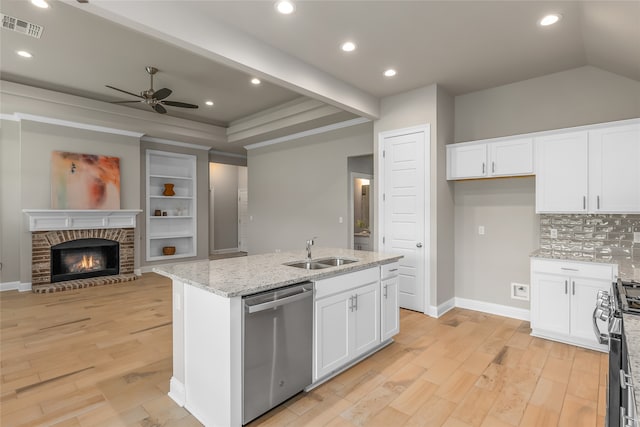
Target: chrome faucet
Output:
[(310, 243)]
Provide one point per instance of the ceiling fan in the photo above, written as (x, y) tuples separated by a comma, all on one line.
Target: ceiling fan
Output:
[(154, 99)]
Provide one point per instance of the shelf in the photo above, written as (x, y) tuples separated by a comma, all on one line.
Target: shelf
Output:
[(170, 217), (167, 257), (172, 197), (170, 236), (170, 177)]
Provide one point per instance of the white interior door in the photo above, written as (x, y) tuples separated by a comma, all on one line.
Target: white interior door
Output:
[(404, 210), (243, 218)]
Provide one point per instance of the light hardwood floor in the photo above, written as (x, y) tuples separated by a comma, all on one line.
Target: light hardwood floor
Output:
[(102, 357)]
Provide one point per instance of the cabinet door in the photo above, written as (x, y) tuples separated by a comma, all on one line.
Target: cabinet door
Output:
[(614, 174), (390, 310), (561, 173), (331, 334), (511, 158), (467, 161), (550, 303), (366, 319), (583, 301)]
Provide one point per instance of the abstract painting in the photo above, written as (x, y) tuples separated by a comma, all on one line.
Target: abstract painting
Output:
[(84, 181)]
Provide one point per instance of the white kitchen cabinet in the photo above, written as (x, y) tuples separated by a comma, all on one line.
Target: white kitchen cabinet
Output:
[(563, 297), (389, 303), (589, 171), (614, 172), (170, 220), (505, 157), (347, 319), (562, 173)]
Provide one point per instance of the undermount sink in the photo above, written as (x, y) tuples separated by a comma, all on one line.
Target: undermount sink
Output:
[(321, 263), (333, 261), (308, 265)]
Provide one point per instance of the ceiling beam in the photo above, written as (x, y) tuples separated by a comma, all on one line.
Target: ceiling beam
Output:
[(190, 26)]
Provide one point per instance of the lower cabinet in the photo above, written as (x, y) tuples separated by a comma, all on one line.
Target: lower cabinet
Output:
[(563, 297), (389, 304), (347, 319)]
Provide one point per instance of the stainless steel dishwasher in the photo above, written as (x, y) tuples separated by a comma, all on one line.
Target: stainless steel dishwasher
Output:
[(277, 334)]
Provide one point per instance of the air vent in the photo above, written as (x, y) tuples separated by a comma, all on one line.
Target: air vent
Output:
[(20, 26)]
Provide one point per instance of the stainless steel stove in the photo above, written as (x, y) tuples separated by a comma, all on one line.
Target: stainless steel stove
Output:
[(623, 298)]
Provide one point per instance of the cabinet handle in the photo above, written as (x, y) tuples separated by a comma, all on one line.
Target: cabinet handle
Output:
[(392, 270), (573, 288), (598, 201), (566, 286), (385, 291), (351, 303), (482, 168), (493, 167), (355, 304), (584, 202), (569, 269)]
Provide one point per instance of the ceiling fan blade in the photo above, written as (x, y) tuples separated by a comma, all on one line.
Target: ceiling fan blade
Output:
[(159, 109), (162, 93), (179, 104), (123, 102), (123, 91)]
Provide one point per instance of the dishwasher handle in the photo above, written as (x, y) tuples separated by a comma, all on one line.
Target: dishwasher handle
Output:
[(306, 293)]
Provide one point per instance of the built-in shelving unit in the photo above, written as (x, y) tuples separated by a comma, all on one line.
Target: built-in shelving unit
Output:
[(176, 223)]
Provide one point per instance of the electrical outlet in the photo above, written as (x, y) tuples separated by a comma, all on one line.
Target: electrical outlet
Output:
[(554, 233), (481, 230), (636, 237)]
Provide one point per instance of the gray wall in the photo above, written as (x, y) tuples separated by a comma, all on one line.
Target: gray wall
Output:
[(298, 190), (224, 181), (202, 198), (485, 265), (10, 215), (413, 108)]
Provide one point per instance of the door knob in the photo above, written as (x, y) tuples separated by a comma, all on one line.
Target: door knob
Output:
[(418, 245)]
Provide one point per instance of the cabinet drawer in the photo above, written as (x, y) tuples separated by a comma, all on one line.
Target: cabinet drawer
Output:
[(389, 270), (575, 269), (343, 282)]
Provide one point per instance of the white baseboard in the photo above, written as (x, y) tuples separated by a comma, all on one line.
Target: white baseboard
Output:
[(224, 251), (176, 391), (491, 308), (137, 271), (9, 286), (441, 309), (15, 286)]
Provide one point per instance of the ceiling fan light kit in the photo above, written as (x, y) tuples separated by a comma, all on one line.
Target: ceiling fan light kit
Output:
[(155, 99)]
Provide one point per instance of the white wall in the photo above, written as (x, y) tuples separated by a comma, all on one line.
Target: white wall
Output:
[(299, 189), (224, 182), (10, 215), (485, 265)]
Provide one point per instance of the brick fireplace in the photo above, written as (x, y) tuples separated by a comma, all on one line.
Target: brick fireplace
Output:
[(65, 256)]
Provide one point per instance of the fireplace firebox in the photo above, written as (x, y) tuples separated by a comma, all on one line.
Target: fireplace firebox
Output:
[(84, 258)]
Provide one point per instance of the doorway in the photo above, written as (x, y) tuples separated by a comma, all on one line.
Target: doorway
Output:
[(403, 201), (227, 184), (361, 221)]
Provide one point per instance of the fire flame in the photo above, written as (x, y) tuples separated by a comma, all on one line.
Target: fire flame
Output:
[(87, 262)]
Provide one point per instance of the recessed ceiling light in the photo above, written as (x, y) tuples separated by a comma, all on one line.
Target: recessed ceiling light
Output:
[(348, 46), (550, 19), (209, 103), (390, 72), (286, 7), (40, 3), (24, 54), (255, 81)]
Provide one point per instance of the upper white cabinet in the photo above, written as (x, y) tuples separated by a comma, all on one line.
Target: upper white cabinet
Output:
[(589, 171), (562, 171), (170, 213), (614, 169), (512, 157)]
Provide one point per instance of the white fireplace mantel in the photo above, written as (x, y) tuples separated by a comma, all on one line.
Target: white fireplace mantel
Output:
[(63, 219)]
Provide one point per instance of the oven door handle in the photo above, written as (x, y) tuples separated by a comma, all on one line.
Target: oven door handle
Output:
[(602, 338)]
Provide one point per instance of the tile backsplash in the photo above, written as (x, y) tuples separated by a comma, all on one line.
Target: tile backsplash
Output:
[(590, 236)]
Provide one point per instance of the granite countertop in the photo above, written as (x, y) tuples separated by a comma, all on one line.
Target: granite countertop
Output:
[(234, 277), (628, 269), (631, 324)]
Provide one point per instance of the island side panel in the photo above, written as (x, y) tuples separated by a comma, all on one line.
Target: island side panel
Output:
[(213, 357), (176, 385)]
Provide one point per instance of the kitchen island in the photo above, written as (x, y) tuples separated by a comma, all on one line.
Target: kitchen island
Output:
[(207, 320)]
